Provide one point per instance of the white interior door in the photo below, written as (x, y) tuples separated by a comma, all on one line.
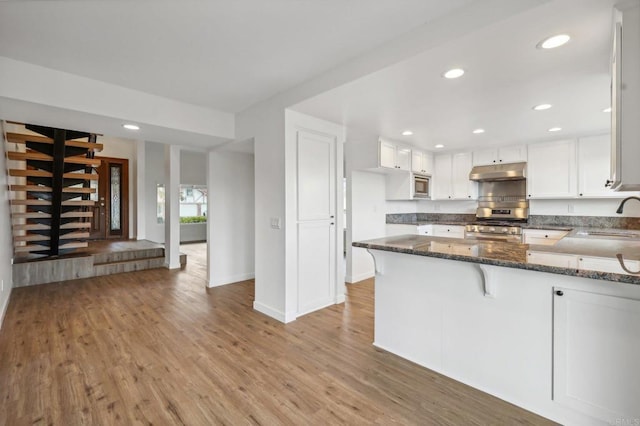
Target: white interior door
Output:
[(316, 193)]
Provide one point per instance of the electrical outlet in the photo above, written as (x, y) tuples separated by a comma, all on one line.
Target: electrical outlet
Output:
[(570, 208), (436, 207)]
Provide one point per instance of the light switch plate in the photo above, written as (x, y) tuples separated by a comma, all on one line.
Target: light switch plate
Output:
[(275, 223)]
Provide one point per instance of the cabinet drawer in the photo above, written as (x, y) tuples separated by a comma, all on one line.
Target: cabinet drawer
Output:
[(425, 230), (604, 264), (449, 231), (552, 259), (542, 236)]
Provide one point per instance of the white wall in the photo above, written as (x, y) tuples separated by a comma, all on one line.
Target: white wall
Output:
[(28, 83), (265, 123), (154, 175), (368, 210), (446, 206), (231, 217), (6, 243), (193, 168)]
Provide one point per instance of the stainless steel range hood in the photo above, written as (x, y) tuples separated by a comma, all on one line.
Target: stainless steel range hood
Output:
[(498, 172)]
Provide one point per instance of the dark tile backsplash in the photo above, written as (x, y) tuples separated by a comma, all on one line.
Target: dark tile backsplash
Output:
[(534, 220)]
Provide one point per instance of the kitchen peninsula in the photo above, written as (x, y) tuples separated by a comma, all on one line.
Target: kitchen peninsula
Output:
[(562, 342)]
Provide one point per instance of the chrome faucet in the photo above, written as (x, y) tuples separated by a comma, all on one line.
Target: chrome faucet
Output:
[(621, 206)]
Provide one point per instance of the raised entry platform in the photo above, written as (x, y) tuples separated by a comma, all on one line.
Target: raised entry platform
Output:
[(99, 258)]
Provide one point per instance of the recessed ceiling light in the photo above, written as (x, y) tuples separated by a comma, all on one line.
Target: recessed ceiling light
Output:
[(454, 73), (542, 107), (607, 109), (439, 146), (478, 131), (131, 126), (553, 41), (407, 133), (555, 129)]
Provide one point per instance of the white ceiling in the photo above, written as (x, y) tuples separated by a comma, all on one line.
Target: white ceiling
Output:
[(506, 76), (223, 54)]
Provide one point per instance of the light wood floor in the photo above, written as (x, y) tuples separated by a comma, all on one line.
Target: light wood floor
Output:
[(155, 347)]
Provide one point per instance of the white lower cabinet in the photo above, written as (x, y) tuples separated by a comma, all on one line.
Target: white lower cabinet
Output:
[(596, 355), (448, 231)]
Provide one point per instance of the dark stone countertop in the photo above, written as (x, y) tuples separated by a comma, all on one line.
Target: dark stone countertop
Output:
[(514, 255)]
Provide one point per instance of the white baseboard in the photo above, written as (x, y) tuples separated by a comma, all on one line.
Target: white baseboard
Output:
[(359, 277), (340, 298), (274, 313), (3, 308), (231, 279)]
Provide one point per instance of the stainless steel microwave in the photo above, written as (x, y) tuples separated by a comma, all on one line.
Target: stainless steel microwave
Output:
[(421, 186)]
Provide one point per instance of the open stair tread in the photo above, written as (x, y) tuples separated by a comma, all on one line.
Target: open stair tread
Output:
[(42, 227), (77, 203), (38, 188), (24, 156), (42, 173), (36, 215), (36, 237), (20, 138)]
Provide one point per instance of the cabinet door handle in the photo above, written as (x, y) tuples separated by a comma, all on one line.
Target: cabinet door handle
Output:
[(559, 293), (608, 183)]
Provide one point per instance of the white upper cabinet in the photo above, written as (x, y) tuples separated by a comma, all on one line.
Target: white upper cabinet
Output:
[(461, 187), (394, 156), (441, 180), (507, 154), (422, 162), (594, 162), (451, 177), (552, 170), (625, 99)]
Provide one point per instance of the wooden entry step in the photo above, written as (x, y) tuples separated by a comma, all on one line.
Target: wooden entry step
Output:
[(36, 247), (99, 258)]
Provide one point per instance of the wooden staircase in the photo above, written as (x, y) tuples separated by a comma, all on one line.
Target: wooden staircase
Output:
[(50, 204)]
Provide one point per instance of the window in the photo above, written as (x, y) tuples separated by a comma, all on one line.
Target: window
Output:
[(160, 197), (193, 203)]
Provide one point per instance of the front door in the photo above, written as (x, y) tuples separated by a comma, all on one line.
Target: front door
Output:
[(111, 212)]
